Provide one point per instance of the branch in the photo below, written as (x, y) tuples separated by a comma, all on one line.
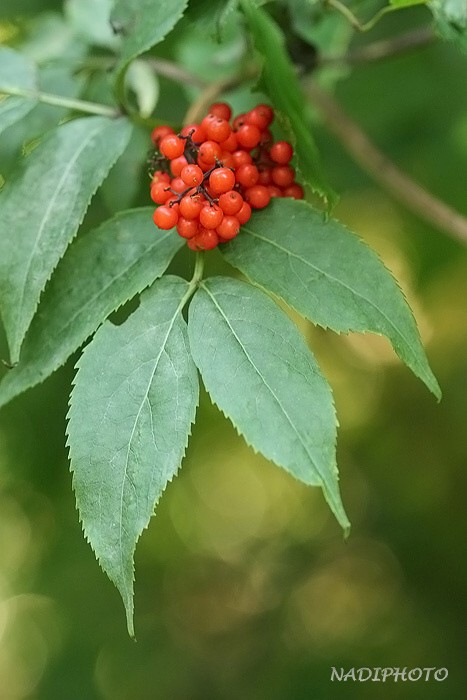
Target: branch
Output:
[(378, 50), (59, 101), (365, 153)]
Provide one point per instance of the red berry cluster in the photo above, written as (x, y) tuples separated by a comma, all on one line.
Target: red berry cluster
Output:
[(207, 178)]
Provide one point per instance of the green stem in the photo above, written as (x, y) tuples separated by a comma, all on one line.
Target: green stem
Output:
[(59, 101), (198, 271)]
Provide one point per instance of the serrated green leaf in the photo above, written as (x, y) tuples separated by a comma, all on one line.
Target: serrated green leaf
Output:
[(126, 254), (259, 371), (130, 417), (90, 20), (42, 207), (143, 24), (280, 81), (16, 71), (330, 276)]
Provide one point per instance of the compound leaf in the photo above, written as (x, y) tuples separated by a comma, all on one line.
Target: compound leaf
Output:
[(259, 371), (42, 207), (330, 276), (16, 71), (97, 274), (131, 411)]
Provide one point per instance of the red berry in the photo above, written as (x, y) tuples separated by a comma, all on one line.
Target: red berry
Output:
[(247, 175), (275, 191), (217, 129), (255, 117), (165, 217), (258, 196), (265, 177), (205, 239), (294, 190), (160, 176), (283, 175), (177, 165), (226, 159), (220, 109), (281, 152), (192, 175), (266, 138), (210, 216), (221, 180), (178, 185), (209, 151), (238, 121), (171, 146), (228, 228), (241, 158), (160, 192), (231, 202), (198, 134), (265, 112), (230, 144), (187, 228), (190, 206), (248, 136), (159, 132), (244, 214)]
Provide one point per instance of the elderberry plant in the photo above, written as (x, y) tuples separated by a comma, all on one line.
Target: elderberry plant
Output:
[(219, 183)]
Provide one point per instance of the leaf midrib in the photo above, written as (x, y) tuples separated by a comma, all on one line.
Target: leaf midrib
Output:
[(324, 480), (333, 279)]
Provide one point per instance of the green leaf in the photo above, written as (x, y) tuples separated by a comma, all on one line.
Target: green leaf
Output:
[(126, 254), (130, 417), (143, 82), (406, 3), (142, 24), (330, 276), (90, 20), (259, 371), (123, 182), (42, 207), (16, 71), (280, 81)]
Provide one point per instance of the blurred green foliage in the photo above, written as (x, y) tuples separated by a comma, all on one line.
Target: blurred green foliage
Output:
[(245, 588)]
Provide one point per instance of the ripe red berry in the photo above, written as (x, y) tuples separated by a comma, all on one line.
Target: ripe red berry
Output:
[(160, 176), (248, 136), (238, 121), (228, 228), (230, 144), (226, 159), (244, 214), (165, 217), (187, 228), (283, 175), (160, 192), (221, 109), (221, 180), (205, 239), (247, 175), (265, 177), (294, 190), (265, 112), (159, 132), (171, 146), (275, 191), (255, 117), (281, 152), (178, 185), (231, 202), (190, 206), (258, 196), (210, 216), (217, 129), (177, 165), (197, 132), (209, 151), (241, 158), (192, 175)]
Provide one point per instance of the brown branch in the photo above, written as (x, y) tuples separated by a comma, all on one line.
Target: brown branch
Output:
[(381, 169), (386, 48)]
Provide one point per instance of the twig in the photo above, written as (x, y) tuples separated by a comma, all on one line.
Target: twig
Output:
[(365, 153), (378, 50), (59, 101), (171, 70)]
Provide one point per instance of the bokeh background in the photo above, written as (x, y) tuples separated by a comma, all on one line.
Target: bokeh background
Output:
[(244, 585)]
